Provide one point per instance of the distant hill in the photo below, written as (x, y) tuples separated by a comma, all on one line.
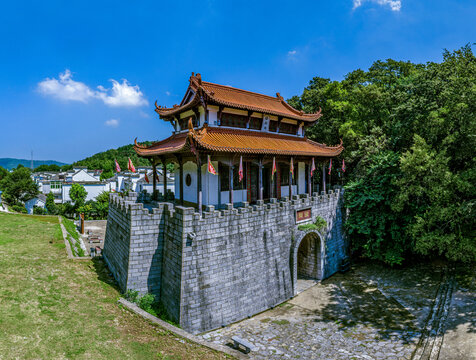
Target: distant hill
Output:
[(11, 163), (105, 160)]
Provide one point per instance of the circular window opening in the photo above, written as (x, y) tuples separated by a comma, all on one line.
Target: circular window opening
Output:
[(188, 180)]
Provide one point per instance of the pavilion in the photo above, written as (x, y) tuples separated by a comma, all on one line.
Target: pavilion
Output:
[(235, 130)]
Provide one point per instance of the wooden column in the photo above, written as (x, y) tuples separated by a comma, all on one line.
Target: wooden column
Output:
[(164, 174), (260, 179), (272, 183), (154, 181), (309, 178), (230, 182), (324, 177), (180, 160), (290, 181), (199, 184)]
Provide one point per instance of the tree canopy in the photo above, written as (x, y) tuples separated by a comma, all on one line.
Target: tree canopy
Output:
[(18, 186), (409, 136)]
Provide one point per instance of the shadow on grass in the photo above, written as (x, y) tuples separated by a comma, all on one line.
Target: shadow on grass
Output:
[(103, 273)]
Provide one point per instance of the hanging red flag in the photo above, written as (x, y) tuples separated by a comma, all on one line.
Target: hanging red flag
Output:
[(118, 168), (291, 169), (210, 167), (343, 165), (130, 166), (146, 178), (273, 170), (313, 166), (330, 167), (240, 169)]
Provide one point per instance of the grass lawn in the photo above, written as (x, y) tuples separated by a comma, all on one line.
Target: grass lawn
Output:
[(52, 307)]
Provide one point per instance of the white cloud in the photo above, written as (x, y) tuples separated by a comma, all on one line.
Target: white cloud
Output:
[(112, 123), (65, 88), (292, 52), (395, 5), (167, 93), (122, 94)]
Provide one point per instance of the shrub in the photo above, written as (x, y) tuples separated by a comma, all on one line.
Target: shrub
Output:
[(39, 210), (131, 295), (146, 301), (319, 225), (19, 209)]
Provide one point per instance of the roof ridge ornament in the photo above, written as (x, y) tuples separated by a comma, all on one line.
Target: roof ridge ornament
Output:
[(139, 145)]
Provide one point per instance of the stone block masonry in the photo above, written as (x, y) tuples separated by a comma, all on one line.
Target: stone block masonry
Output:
[(216, 268)]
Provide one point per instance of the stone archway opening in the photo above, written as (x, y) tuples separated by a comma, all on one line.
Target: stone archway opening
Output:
[(307, 262)]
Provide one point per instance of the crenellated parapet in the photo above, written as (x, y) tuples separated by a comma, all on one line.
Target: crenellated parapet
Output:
[(222, 265)]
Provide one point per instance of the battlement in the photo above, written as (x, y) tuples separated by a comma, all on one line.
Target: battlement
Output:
[(131, 205), (199, 264)]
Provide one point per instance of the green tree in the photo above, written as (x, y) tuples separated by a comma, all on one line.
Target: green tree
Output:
[(3, 173), (78, 194), (50, 204), (101, 205), (18, 186), (52, 168)]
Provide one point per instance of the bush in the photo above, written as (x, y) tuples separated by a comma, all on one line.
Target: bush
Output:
[(39, 210), (318, 225), (131, 295), (19, 209), (146, 301)]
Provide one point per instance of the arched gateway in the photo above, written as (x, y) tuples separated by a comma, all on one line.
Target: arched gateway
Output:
[(307, 257)]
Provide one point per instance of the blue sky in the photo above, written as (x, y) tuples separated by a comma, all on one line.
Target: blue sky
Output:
[(79, 77)]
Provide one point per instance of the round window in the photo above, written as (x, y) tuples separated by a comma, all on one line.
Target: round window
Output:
[(188, 180)]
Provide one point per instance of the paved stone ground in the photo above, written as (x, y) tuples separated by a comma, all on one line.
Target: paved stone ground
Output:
[(371, 312)]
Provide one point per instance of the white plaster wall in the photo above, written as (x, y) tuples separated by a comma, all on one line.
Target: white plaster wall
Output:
[(210, 186), (302, 178), (285, 190), (190, 192), (83, 176), (238, 196), (212, 117), (150, 187), (93, 191)]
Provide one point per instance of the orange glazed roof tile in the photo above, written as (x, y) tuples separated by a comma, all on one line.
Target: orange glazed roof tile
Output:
[(235, 98), (238, 141)]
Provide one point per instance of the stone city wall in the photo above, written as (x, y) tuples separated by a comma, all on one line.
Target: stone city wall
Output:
[(213, 269)]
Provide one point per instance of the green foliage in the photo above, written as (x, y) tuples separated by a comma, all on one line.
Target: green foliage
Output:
[(131, 295), (39, 210), (70, 228), (145, 302), (18, 186), (78, 194), (51, 168), (3, 173), (19, 209), (318, 225), (408, 131), (105, 160), (50, 204)]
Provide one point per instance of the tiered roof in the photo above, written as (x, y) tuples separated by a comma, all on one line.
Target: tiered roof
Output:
[(228, 96), (237, 141)]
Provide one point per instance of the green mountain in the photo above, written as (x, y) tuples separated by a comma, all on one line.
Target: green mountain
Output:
[(105, 160), (11, 163)]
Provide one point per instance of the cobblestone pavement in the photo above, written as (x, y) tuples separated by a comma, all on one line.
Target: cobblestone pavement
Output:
[(371, 312)]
